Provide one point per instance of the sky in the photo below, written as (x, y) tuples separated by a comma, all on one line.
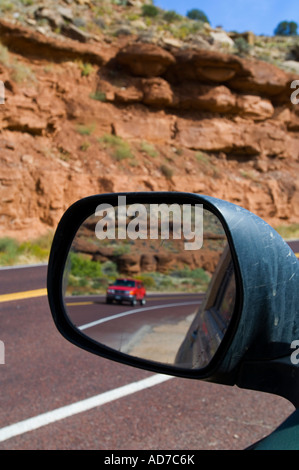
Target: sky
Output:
[(258, 16)]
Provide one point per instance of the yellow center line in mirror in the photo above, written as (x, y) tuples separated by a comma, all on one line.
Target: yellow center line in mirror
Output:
[(78, 303), (23, 295)]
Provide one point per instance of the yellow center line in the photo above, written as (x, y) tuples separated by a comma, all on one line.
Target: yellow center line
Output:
[(71, 304), (23, 295)]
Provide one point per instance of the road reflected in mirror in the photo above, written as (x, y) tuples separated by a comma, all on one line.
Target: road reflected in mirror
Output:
[(155, 283)]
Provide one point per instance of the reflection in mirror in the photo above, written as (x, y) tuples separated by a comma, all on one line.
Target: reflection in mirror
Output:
[(152, 281)]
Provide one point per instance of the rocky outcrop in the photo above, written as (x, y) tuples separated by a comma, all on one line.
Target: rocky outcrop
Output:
[(192, 120), (36, 45), (142, 260), (201, 67), (204, 66), (145, 60)]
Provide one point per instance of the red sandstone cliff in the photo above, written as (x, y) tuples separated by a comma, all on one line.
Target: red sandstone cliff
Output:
[(181, 119)]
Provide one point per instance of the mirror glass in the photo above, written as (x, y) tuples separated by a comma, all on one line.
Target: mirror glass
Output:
[(154, 281)]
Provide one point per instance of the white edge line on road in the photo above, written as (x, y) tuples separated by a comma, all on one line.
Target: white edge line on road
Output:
[(22, 266), (131, 312), (84, 405)]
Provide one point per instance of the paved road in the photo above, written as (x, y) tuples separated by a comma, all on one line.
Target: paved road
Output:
[(25, 278), (164, 320), (43, 373), (294, 245)]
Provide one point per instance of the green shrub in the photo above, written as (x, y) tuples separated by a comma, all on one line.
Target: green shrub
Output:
[(197, 273), (197, 15), (120, 149), (19, 72), (9, 250), (86, 69), (147, 280), (4, 55), (34, 249), (186, 29), (288, 231), (98, 95), (166, 171), (242, 46), (171, 16), (84, 146), (157, 281), (111, 139), (286, 28), (150, 10), (85, 129), (82, 267), (121, 249), (148, 148), (7, 6), (13, 252), (202, 157), (109, 268), (122, 152), (194, 279)]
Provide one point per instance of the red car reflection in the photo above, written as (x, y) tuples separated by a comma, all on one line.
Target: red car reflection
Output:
[(126, 290)]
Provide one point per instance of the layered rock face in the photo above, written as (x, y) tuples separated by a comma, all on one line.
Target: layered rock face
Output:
[(178, 119)]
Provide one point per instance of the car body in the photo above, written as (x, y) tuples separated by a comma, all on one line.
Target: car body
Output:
[(212, 319), (126, 290)]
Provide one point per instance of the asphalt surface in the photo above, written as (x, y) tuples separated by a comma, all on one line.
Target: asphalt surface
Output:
[(43, 372), (27, 278), (294, 245), (124, 327)]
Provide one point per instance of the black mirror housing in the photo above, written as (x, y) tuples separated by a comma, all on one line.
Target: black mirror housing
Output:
[(270, 273), (265, 319)]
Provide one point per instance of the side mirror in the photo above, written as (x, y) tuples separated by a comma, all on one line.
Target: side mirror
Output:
[(219, 295)]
